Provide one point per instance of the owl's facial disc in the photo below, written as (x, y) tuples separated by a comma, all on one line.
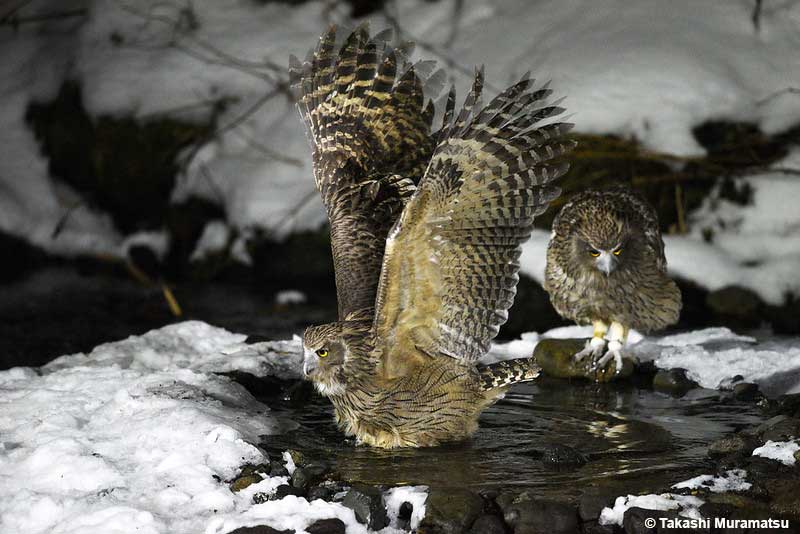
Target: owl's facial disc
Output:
[(323, 365)]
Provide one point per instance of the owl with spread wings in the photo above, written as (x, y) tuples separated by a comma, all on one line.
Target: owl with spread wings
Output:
[(426, 228)]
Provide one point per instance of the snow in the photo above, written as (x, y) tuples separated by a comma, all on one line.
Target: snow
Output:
[(142, 435), (732, 480), (192, 345), (416, 496), (782, 451), (652, 71), (213, 240), (288, 297), (686, 505)]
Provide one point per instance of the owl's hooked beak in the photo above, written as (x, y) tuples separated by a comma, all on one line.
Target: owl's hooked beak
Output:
[(606, 262), (309, 363)]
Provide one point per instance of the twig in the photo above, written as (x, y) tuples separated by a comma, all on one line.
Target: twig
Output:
[(449, 61), (776, 94), (681, 216), (756, 16), (15, 21), (62, 221)]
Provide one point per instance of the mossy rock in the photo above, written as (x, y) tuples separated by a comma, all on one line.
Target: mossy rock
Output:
[(557, 359)]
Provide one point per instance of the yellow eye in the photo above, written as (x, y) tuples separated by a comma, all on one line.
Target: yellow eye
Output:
[(617, 251), (595, 253), (322, 353)]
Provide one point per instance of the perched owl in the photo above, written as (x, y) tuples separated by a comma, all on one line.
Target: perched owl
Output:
[(426, 230), (606, 267)]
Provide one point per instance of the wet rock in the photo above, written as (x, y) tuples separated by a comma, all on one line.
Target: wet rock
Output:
[(488, 524), (673, 381), (367, 503), (788, 405), (746, 391), (327, 526), (785, 496), (778, 428), (250, 474), (451, 511), (325, 493), (736, 444), (260, 529), (562, 455), (278, 469), (712, 509), (591, 504), (534, 516), (404, 515), (633, 522), (785, 319), (280, 492), (303, 477), (736, 306), (557, 358), (298, 457)]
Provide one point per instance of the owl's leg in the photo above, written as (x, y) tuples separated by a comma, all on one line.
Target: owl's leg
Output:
[(618, 335), (594, 347)]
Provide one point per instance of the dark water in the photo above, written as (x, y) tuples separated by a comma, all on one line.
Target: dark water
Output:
[(635, 440)]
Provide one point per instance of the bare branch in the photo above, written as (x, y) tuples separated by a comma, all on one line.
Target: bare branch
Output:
[(777, 94)]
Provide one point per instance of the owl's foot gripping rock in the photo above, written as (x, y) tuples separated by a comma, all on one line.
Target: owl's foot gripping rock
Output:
[(614, 352), (594, 348)]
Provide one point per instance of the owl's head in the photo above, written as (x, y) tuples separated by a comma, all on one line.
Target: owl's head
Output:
[(605, 242), (325, 351)]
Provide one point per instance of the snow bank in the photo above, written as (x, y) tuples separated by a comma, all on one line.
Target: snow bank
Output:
[(652, 70), (192, 345), (141, 435), (782, 451)]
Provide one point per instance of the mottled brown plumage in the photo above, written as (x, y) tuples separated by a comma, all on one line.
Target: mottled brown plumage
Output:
[(426, 230), (606, 266)]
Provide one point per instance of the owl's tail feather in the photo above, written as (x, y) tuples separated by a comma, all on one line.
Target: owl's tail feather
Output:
[(508, 372), (360, 106)]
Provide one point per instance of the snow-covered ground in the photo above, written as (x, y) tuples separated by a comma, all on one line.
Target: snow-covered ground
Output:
[(649, 69), (140, 436)]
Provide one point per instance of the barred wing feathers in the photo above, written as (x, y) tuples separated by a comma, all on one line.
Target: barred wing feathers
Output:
[(370, 132), (451, 265)]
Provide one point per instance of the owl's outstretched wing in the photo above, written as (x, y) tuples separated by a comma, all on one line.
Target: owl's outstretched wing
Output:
[(451, 264), (370, 132)]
